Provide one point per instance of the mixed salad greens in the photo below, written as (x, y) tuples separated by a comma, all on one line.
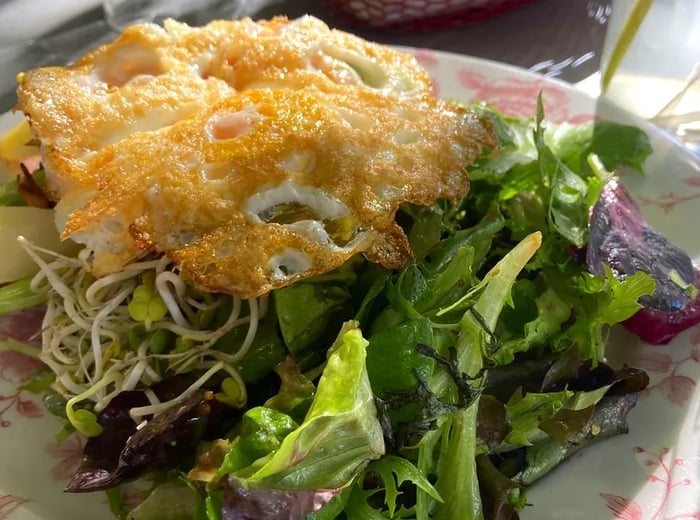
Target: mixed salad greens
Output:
[(442, 391)]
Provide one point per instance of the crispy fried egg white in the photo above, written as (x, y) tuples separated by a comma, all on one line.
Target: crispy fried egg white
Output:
[(151, 77), (252, 154)]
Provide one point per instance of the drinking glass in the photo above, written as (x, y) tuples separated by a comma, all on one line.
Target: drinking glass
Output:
[(659, 75)]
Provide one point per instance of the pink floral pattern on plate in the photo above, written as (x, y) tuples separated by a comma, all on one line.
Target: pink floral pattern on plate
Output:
[(9, 504), (513, 95), (67, 454), (673, 371), (426, 58), (516, 96), (15, 368), (675, 386), (667, 201), (629, 509)]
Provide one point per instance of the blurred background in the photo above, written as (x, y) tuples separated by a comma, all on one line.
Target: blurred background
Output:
[(555, 37)]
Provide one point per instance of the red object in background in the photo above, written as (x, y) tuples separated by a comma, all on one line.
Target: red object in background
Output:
[(419, 15)]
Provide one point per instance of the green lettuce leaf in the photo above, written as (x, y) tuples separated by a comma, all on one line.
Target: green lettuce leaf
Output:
[(457, 480), (384, 500), (608, 419), (565, 190), (340, 433), (396, 348), (476, 338), (615, 144), (309, 313), (261, 433), (274, 469), (173, 500), (296, 391), (600, 303), (526, 413)]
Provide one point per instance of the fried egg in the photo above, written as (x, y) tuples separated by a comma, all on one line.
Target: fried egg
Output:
[(251, 154), (151, 77)]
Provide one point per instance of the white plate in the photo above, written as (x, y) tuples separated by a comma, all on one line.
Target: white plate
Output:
[(651, 474)]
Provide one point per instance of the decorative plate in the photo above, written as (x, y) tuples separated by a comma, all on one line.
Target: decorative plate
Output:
[(653, 473)]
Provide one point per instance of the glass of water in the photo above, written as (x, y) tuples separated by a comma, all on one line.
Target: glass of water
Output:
[(122, 13), (658, 77)]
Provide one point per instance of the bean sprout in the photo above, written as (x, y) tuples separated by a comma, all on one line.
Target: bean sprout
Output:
[(86, 332)]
